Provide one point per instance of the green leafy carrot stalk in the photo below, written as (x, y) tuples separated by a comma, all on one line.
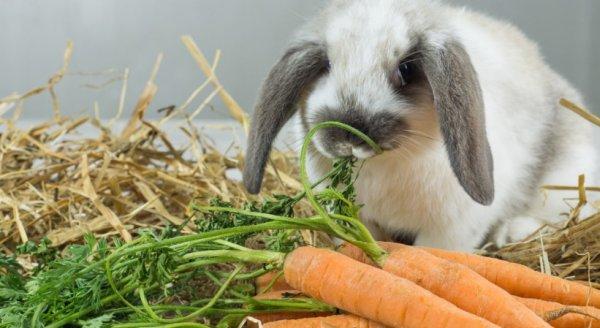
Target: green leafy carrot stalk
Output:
[(346, 225), (95, 277), (348, 228), (234, 254), (209, 254)]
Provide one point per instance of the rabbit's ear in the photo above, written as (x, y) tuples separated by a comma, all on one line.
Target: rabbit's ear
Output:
[(281, 91), (459, 104)]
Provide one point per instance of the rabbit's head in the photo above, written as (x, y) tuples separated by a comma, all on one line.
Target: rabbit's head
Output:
[(388, 69)]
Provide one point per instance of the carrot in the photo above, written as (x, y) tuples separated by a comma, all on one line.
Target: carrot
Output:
[(334, 321), (587, 317), (370, 292), (522, 281), (261, 283), (455, 283)]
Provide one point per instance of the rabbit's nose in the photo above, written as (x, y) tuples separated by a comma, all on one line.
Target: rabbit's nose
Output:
[(362, 152)]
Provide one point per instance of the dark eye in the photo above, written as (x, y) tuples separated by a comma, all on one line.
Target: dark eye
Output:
[(405, 74)]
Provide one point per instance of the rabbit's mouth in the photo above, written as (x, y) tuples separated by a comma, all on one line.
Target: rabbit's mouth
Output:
[(385, 128)]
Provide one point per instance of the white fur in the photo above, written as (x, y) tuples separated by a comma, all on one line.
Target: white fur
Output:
[(413, 187)]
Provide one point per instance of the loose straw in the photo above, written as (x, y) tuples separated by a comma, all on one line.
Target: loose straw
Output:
[(235, 110)]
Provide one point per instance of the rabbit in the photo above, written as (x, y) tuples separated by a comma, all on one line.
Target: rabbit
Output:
[(463, 105)]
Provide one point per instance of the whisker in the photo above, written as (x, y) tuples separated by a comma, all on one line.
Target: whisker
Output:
[(408, 142), (412, 142), (404, 153), (410, 60), (421, 134), (413, 53)]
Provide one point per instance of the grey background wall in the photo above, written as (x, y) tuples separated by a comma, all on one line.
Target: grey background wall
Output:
[(118, 34)]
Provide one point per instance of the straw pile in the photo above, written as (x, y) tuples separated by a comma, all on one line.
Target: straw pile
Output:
[(56, 185), (572, 252)]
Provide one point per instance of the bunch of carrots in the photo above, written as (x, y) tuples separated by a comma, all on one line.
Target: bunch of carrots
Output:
[(377, 284), (420, 287)]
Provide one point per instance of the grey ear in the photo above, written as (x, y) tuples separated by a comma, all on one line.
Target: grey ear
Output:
[(277, 102), (459, 103)]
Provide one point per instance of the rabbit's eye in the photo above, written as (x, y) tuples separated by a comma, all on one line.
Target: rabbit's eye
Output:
[(405, 74)]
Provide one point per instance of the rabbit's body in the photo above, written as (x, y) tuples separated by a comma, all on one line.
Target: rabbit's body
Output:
[(431, 134)]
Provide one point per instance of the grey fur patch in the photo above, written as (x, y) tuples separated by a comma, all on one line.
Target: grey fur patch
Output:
[(382, 127), (459, 103), (300, 65)]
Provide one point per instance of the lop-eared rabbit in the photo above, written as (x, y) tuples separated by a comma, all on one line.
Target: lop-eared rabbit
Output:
[(464, 106)]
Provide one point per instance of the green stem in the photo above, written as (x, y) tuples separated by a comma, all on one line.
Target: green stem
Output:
[(289, 305), (310, 223), (226, 301), (200, 263), (369, 245), (248, 256), (231, 245), (218, 283), (255, 274), (35, 319), (304, 175), (366, 238), (315, 222), (115, 290), (280, 306), (188, 308), (147, 306)]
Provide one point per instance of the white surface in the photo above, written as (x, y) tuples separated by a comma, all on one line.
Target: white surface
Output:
[(252, 33)]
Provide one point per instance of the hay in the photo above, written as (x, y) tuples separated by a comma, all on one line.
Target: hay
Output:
[(54, 184), (572, 252), (57, 185)]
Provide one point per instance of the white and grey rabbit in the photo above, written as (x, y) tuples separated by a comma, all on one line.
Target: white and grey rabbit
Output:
[(464, 106)]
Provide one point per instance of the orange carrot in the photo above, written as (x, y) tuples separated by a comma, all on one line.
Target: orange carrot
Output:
[(455, 283), (334, 321), (522, 281), (262, 282), (588, 317), (371, 292)]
